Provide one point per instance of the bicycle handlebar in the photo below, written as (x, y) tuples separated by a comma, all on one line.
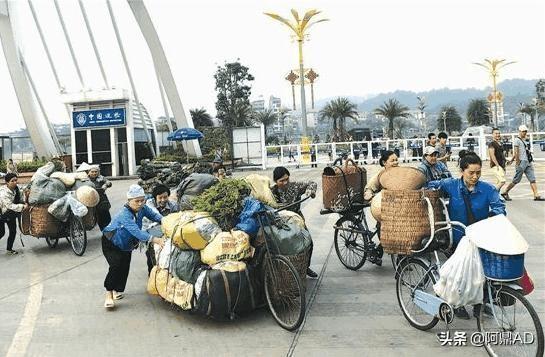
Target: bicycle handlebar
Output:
[(284, 207)]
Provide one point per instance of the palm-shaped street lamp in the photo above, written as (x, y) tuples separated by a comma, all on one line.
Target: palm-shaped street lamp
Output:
[(493, 66), (300, 28)]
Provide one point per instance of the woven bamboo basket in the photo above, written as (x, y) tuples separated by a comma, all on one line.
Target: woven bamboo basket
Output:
[(301, 262), (38, 222), (405, 219), (343, 186), (89, 220)]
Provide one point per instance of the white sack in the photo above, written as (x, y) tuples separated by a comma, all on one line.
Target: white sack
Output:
[(462, 276)]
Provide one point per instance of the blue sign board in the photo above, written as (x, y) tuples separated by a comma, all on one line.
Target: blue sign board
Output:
[(97, 118)]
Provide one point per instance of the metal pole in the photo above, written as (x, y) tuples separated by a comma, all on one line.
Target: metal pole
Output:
[(42, 109), (128, 70), (67, 37), (92, 38), (42, 38), (302, 78)]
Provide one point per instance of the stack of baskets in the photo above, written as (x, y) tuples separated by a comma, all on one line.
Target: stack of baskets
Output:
[(405, 219), (40, 223)]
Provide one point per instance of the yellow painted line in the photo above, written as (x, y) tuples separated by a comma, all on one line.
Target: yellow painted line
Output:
[(24, 332)]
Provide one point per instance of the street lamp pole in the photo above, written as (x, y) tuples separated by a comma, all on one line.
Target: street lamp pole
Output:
[(300, 27)]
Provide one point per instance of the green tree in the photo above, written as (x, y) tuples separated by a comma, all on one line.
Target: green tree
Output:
[(392, 109), (201, 118), (478, 112), (453, 120), (530, 110), (266, 117), (233, 93), (327, 112)]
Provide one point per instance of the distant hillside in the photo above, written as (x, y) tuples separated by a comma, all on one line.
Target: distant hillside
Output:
[(514, 90)]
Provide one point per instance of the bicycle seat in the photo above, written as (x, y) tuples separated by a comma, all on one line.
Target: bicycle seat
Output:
[(441, 241)]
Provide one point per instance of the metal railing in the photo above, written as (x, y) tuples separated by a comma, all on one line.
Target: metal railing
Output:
[(368, 152)]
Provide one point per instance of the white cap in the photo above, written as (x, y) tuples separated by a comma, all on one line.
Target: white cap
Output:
[(429, 150), (523, 128), (135, 191)]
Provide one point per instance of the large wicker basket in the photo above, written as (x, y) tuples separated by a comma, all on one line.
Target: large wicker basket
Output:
[(89, 220), (405, 219), (301, 262), (343, 186), (38, 222)]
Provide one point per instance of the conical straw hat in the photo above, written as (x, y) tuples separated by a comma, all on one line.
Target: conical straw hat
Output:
[(497, 235)]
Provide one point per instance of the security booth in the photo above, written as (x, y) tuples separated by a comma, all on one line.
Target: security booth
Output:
[(106, 129)]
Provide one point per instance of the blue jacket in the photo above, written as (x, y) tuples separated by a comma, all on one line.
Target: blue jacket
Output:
[(485, 201), (126, 227), (436, 172)]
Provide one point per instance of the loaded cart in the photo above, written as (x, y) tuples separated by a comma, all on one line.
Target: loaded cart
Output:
[(39, 223)]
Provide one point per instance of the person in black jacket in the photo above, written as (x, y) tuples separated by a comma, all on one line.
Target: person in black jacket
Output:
[(11, 206), (101, 184)]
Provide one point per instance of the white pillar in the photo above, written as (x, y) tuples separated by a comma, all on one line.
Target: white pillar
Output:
[(43, 144), (113, 152), (89, 145), (130, 140)]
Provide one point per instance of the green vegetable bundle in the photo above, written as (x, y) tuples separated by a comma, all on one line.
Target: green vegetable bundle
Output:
[(223, 201)]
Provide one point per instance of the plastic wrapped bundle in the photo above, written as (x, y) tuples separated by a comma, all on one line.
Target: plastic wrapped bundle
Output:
[(190, 230), (234, 245)]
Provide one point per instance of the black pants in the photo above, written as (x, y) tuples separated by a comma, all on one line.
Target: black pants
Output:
[(150, 257), (12, 227), (119, 262), (103, 218)]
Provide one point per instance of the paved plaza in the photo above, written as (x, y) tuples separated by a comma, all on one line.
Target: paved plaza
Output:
[(51, 300)]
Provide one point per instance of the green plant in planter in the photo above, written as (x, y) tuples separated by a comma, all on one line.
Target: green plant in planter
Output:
[(223, 201)]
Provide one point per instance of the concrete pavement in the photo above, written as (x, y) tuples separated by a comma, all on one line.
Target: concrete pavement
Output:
[(51, 301)]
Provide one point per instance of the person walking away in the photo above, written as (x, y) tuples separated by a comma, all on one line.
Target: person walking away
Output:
[(429, 166), (470, 142), (161, 203), (121, 237), (470, 200), (11, 206), (287, 192), (102, 209), (523, 165), (11, 167), (497, 158), (313, 157), (441, 146)]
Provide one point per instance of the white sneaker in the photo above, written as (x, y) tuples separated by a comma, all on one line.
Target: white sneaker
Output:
[(109, 302), (118, 296)]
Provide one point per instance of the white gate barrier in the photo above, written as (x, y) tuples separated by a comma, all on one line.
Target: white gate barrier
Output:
[(407, 150)]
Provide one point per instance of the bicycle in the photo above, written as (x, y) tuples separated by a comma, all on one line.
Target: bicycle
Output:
[(353, 238), (508, 308), (284, 289)]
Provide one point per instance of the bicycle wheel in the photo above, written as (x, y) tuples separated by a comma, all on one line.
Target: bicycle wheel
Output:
[(414, 273), (52, 242), (284, 292), (78, 235), (351, 243), (512, 316)]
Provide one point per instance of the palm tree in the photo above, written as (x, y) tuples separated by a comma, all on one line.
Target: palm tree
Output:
[(266, 117), (392, 109), (328, 112), (201, 118), (478, 112), (243, 114), (343, 109), (530, 110), (338, 110)]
